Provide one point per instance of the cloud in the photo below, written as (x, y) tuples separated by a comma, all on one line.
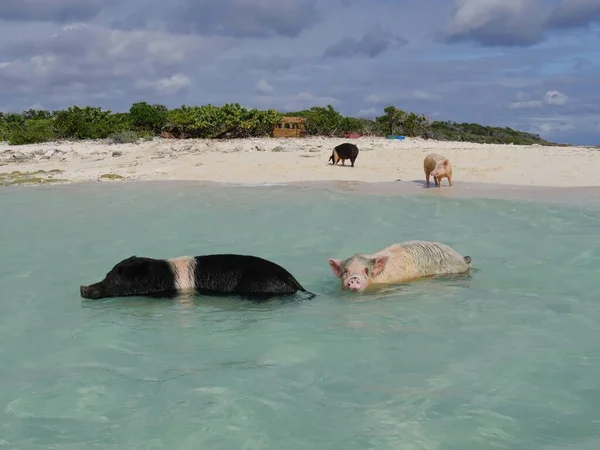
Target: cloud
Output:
[(527, 104), (551, 97), (552, 125), (263, 88), (372, 98), (52, 10), (88, 60), (574, 14), (556, 98), (369, 113), (496, 22), (165, 86), (298, 101), (510, 23), (422, 95), (489, 65), (236, 18), (401, 96), (372, 44)]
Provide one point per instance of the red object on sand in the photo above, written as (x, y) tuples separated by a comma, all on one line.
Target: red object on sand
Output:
[(351, 135)]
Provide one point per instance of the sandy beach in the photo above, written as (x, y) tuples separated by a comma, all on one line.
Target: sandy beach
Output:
[(288, 160)]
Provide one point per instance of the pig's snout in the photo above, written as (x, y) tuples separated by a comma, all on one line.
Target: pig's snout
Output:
[(90, 292), (355, 284)]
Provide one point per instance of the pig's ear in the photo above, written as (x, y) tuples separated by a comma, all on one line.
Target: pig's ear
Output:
[(336, 266), (445, 163), (379, 265)]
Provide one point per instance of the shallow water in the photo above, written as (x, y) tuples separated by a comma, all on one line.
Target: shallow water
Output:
[(506, 359)]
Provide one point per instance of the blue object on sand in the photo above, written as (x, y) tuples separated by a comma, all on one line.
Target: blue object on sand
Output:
[(391, 136)]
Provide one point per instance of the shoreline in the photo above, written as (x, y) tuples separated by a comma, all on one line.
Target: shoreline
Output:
[(383, 166), (565, 196)]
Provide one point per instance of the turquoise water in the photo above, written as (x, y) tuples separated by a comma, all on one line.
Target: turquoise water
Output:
[(506, 359)]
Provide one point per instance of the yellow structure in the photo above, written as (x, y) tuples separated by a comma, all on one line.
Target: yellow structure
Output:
[(290, 127)]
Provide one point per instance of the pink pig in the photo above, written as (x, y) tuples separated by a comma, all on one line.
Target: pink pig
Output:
[(439, 167), (398, 263)]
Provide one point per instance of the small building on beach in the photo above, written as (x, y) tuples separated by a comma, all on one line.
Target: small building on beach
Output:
[(290, 127)]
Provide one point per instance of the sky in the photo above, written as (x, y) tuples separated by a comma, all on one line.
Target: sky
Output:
[(533, 65)]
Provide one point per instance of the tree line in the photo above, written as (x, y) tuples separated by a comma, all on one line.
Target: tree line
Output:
[(231, 120)]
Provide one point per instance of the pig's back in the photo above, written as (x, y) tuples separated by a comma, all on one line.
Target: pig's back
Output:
[(431, 160), (416, 259)]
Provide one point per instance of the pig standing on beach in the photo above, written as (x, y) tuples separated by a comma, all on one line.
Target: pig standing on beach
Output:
[(344, 151), (245, 276), (398, 263), (439, 167)]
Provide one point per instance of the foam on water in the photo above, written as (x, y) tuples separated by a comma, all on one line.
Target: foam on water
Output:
[(507, 358)]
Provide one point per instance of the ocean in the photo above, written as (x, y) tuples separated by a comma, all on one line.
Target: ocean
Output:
[(507, 358)]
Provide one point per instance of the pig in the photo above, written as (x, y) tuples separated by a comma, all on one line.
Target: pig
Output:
[(439, 167), (398, 263), (344, 151), (220, 274)]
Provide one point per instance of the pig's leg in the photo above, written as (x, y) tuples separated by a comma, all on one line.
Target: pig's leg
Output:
[(438, 182), (427, 175), (450, 180), (343, 162)]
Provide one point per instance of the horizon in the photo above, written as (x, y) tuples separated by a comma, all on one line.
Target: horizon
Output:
[(505, 63)]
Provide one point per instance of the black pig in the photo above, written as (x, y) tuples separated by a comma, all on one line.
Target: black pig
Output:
[(344, 151)]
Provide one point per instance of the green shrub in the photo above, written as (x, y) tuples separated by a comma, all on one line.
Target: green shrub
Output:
[(36, 114), (322, 121), (392, 119), (8, 123), (149, 118), (234, 121), (84, 123), (31, 132), (228, 121)]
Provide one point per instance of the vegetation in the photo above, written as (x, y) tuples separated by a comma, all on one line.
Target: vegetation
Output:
[(143, 121), (111, 176), (38, 177)]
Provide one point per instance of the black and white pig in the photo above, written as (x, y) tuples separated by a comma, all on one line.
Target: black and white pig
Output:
[(221, 274)]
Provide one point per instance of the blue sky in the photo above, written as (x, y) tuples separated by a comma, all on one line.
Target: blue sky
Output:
[(533, 65)]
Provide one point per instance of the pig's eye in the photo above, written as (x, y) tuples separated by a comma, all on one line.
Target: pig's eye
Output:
[(367, 271)]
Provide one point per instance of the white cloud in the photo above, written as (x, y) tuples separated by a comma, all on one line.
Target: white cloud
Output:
[(556, 98), (371, 112), (295, 102), (102, 61), (554, 127), (526, 104), (521, 96), (553, 97), (372, 98), (166, 86), (550, 125), (306, 100), (263, 87), (422, 95), (471, 14)]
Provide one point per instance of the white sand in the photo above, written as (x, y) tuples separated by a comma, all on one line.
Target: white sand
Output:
[(254, 161)]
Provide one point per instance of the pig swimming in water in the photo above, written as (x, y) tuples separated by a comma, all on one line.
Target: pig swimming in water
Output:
[(439, 167), (344, 151), (398, 263), (241, 275)]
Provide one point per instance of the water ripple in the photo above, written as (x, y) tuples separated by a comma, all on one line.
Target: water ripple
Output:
[(506, 358)]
